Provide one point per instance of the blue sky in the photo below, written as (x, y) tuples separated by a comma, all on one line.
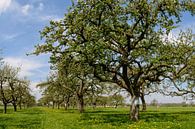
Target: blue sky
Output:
[(20, 23)]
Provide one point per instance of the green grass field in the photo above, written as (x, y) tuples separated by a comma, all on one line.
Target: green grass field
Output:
[(100, 118)]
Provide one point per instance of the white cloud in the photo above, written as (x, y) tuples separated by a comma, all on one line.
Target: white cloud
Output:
[(31, 11), (6, 37), (4, 5), (50, 17), (28, 67), (41, 6), (34, 90), (26, 9), (20, 9)]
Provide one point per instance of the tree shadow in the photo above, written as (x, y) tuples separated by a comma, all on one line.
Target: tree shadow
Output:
[(163, 117), (13, 123), (7, 121), (9, 111), (4, 119), (118, 118)]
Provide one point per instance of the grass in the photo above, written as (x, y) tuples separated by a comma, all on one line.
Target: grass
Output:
[(100, 118)]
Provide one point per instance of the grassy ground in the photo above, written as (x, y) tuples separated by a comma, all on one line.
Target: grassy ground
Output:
[(107, 118)]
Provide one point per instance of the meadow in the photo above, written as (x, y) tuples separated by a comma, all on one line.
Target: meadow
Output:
[(100, 118)]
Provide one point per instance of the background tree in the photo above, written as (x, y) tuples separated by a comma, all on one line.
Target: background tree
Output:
[(154, 102), (117, 100), (24, 96), (6, 93), (13, 89)]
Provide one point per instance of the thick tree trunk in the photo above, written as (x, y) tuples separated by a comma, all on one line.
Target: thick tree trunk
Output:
[(143, 102), (80, 103), (15, 107), (5, 108), (80, 100), (134, 108)]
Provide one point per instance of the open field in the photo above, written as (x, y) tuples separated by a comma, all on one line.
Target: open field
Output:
[(101, 118)]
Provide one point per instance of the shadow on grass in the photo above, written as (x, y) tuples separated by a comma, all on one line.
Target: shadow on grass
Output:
[(164, 117), (118, 118), (9, 110), (7, 122), (21, 119), (3, 122)]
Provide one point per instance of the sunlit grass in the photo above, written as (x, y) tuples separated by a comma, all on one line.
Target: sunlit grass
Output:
[(100, 118)]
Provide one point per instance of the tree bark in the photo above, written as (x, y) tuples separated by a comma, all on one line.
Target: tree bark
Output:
[(66, 103), (53, 104), (134, 108), (15, 106), (80, 94), (65, 106), (143, 102), (5, 107), (80, 103)]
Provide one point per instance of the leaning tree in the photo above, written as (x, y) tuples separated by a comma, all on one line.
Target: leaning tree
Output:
[(122, 41)]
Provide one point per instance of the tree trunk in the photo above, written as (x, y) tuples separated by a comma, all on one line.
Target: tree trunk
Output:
[(15, 107), (80, 103), (94, 105), (53, 104), (65, 106), (143, 102), (66, 103), (134, 108), (116, 105), (5, 108)]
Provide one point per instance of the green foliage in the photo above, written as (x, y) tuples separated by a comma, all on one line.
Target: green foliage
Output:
[(117, 41)]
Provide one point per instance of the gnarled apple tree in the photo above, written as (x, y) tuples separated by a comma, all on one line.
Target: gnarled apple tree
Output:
[(120, 40)]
